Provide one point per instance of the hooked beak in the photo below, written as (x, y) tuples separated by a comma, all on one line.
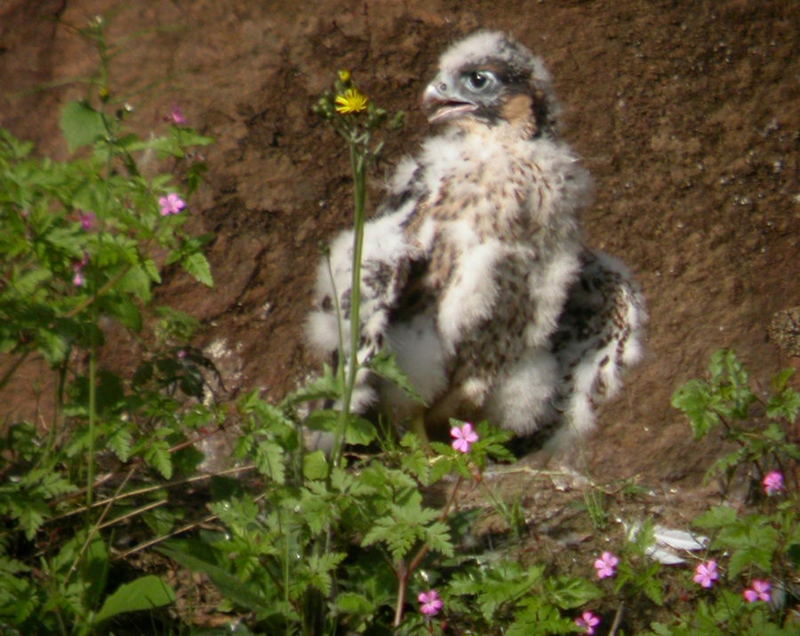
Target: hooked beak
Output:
[(440, 105)]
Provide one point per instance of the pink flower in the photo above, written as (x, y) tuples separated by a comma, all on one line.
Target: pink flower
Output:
[(464, 437), (706, 573), (78, 280), (758, 591), (177, 115), (87, 220), (588, 621), (171, 204), (772, 482), (430, 603), (606, 565)]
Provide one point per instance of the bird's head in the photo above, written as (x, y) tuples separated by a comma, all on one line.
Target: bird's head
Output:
[(490, 78)]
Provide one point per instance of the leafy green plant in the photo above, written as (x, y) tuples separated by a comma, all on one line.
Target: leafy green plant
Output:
[(758, 550), (762, 428), (84, 243)]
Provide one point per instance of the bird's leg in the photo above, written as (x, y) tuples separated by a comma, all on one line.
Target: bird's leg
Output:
[(418, 426)]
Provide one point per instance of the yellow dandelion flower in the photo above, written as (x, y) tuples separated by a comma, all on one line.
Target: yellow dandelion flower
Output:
[(352, 101), (344, 75)]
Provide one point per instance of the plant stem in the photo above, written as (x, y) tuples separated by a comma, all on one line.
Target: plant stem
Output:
[(92, 418), (357, 165), (404, 572)]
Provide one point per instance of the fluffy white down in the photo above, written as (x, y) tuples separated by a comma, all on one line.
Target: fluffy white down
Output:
[(471, 296), (384, 245), (418, 350), (548, 288), (522, 396)]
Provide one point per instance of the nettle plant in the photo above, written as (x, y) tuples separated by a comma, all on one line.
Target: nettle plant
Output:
[(84, 242)]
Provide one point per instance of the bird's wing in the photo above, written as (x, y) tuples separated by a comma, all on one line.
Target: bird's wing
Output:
[(599, 336), (389, 261)]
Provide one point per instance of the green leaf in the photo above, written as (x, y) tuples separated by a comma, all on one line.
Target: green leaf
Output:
[(136, 281), (353, 603), (120, 441), (694, 399), (324, 387), (270, 459), (144, 593), (320, 568), (26, 283), (125, 310), (358, 430), (81, 124), (157, 455), (197, 265), (569, 593), (229, 585), (717, 517), (315, 466), (385, 365)]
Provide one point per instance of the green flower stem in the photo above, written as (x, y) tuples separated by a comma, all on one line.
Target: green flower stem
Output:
[(358, 165), (92, 419)]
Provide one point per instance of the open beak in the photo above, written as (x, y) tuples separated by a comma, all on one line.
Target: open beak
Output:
[(440, 105)]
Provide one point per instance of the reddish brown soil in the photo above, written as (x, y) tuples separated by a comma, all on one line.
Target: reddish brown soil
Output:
[(687, 113)]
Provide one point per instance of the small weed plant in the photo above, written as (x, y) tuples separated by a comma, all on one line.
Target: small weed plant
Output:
[(102, 501)]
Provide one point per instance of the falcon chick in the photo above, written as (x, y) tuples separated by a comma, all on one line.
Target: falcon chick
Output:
[(474, 272)]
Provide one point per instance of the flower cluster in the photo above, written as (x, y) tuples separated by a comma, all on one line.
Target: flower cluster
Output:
[(606, 565)]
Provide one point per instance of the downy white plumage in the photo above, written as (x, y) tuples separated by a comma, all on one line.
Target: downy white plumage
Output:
[(474, 272)]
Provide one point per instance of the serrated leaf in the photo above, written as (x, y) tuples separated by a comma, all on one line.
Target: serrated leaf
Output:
[(353, 603), (197, 266), (270, 460), (26, 283), (228, 584), (320, 567), (717, 517), (324, 387), (385, 365), (81, 124), (569, 593), (151, 269), (124, 309), (157, 455), (145, 593), (359, 431), (437, 536), (315, 466), (31, 516), (694, 399), (136, 281)]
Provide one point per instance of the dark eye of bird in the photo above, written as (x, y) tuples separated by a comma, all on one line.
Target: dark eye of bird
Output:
[(478, 80)]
